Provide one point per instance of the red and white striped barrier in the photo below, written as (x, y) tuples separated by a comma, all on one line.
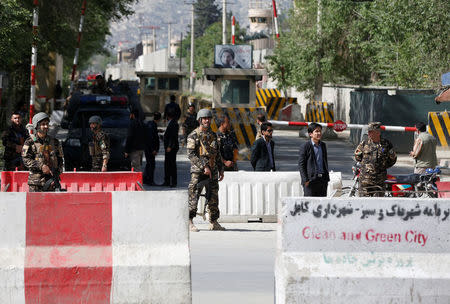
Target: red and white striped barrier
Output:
[(77, 50), (98, 247), (340, 126), (17, 181), (233, 29), (34, 57), (275, 18)]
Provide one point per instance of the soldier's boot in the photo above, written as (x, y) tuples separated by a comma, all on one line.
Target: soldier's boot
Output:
[(192, 227), (214, 225)]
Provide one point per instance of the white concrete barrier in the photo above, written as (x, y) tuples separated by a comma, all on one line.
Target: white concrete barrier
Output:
[(249, 195), (363, 250), (98, 247)]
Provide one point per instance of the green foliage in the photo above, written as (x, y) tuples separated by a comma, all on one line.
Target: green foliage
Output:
[(383, 42), (57, 32), (206, 12)]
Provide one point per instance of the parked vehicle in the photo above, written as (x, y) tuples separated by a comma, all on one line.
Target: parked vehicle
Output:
[(410, 185), (115, 114)]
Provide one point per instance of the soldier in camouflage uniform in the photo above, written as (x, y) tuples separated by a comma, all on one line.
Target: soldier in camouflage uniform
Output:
[(99, 147), (206, 162), (375, 154), (13, 139), (42, 155), (227, 143)]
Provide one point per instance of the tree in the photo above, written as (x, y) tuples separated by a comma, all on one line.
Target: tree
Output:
[(57, 33), (380, 42), (206, 12)]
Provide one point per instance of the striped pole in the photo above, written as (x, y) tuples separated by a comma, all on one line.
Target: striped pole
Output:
[(341, 126), (275, 19), (77, 50), (233, 26), (34, 57)]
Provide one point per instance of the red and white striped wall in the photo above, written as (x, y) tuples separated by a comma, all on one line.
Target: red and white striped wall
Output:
[(97, 247)]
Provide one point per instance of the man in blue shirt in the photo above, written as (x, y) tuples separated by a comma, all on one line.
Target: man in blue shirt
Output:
[(313, 163)]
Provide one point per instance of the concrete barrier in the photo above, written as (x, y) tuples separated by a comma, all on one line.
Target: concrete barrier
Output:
[(444, 188), (17, 181), (363, 250), (247, 195), (96, 247)]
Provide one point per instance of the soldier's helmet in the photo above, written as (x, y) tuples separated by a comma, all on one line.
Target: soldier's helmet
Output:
[(38, 118), (95, 119), (374, 126), (204, 113)]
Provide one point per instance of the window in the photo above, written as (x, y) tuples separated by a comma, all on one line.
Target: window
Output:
[(236, 91), (262, 20), (168, 84), (111, 118), (173, 84), (163, 83), (150, 83)]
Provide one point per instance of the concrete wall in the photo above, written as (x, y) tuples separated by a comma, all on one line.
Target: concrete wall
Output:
[(340, 97), (363, 250), (153, 62)]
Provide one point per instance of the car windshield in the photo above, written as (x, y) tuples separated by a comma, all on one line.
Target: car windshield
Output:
[(112, 118)]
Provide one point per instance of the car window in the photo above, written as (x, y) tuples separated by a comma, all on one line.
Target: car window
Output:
[(117, 118)]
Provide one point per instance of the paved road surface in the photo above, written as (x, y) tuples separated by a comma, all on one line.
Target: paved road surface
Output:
[(236, 266)]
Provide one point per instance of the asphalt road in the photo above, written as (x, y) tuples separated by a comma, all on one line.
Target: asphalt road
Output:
[(236, 266)]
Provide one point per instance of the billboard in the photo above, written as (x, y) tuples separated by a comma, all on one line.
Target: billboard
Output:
[(233, 56)]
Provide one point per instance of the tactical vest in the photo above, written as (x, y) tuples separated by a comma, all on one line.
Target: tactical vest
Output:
[(97, 145), (45, 152), (427, 156), (205, 149)]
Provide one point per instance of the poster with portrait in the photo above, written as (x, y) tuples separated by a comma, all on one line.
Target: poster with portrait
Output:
[(233, 56)]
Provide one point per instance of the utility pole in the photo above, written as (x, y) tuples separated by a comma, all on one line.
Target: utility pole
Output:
[(224, 21), (169, 37), (181, 49), (154, 40), (153, 28), (191, 79)]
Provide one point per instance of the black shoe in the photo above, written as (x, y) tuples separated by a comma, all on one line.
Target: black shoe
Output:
[(173, 186)]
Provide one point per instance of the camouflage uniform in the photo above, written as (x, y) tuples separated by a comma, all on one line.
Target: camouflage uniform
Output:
[(202, 149), (99, 150), (37, 152), (375, 158), (11, 138), (227, 145)]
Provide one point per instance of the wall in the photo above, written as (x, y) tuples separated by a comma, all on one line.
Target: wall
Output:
[(398, 108)]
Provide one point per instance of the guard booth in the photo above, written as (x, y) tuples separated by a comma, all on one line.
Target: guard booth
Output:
[(156, 88), (234, 87), (234, 92)]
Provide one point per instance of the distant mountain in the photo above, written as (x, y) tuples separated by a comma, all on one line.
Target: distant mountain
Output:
[(160, 12)]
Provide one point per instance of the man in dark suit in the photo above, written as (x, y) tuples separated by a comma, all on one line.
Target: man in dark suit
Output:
[(151, 149), (262, 158), (172, 106), (313, 163), (171, 148)]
